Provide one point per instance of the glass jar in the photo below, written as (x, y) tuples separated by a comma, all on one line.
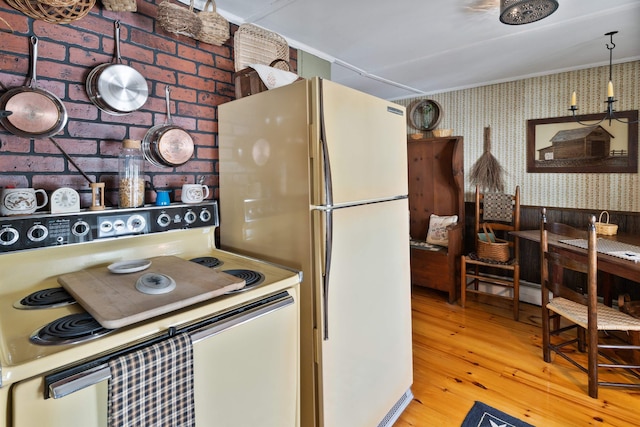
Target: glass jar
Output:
[(130, 173)]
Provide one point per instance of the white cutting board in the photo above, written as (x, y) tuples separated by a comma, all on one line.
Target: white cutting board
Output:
[(113, 300)]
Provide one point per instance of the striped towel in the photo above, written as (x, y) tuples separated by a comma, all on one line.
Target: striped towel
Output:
[(153, 386)]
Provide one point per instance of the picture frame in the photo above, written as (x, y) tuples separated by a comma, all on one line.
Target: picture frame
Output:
[(562, 145)]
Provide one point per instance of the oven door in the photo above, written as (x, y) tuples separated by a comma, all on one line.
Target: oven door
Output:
[(245, 373)]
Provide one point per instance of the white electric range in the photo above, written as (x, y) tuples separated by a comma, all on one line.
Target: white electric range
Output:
[(245, 342)]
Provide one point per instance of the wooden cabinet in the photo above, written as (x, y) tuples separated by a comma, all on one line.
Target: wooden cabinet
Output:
[(436, 186)]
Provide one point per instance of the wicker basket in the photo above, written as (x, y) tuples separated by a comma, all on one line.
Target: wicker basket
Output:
[(120, 5), (442, 133), (604, 227), (254, 45), (59, 3), (178, 20), (215, 29), (490, 247), (53, 14)]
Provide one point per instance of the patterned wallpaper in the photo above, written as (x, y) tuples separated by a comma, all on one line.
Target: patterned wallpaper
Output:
[(506, 107)]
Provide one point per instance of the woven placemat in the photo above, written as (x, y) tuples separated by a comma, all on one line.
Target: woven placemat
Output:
[(609, 247)]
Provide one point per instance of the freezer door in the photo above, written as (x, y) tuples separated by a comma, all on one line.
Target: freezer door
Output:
[(366, 144), (366, 361)]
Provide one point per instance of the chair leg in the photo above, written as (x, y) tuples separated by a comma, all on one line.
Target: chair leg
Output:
[(516, 292), (463, 280), (592, 348), (546, 351), (634, 338), (582, 340)]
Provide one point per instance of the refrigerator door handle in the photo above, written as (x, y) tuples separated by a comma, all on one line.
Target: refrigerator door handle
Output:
[(327, 271), (328, 208)]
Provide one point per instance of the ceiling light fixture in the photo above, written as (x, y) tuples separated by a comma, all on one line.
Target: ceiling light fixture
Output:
[(518, 12), (609, 112)]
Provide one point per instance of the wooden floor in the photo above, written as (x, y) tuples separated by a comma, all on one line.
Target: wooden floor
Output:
[(481, 353)]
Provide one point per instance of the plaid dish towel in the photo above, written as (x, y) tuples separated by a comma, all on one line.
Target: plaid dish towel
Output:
[(497, 207), (153, 386)]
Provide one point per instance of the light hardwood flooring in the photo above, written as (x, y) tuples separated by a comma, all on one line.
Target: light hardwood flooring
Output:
[(481, 353)]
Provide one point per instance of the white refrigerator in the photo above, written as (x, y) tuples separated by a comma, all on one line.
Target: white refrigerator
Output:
[(313, 175)]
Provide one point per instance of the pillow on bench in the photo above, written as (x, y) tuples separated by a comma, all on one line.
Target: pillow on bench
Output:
[(438, 234)]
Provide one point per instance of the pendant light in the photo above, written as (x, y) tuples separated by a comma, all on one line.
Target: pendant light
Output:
[(518, 12)]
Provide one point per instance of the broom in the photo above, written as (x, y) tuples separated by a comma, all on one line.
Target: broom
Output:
[(487, 173)]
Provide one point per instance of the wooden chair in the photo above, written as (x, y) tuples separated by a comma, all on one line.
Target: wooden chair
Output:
[(481, 275), (581, 312)]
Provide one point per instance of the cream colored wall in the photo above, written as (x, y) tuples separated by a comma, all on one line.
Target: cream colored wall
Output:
[(506, 107)]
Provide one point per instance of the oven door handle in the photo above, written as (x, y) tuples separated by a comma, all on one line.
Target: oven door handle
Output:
[(77, 382), (240, 318)]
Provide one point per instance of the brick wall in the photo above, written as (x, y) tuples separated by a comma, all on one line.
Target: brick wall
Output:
[(200, 76)]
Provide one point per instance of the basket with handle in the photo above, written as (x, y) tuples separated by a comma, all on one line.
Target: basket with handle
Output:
[(215, 29), (604, 227), (53, 14), (491, 247), (120, 5), (178, 20)]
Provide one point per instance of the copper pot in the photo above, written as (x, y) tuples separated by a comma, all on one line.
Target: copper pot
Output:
[(35, 112), (116, 88), (167, 145)]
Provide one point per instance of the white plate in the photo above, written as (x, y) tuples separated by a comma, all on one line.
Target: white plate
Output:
[(130, 266)]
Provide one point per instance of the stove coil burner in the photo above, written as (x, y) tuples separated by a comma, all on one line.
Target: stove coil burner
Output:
[(207, 261), (45, 298), (251, 278), (71, 329)]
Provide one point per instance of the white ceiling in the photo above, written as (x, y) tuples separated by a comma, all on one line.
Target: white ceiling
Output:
[(409, 48)]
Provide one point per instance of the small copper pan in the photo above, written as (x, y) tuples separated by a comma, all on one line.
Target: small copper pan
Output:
[(36, 113), (167, 145)]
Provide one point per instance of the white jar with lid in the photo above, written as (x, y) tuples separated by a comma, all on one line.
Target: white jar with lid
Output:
[(131, 183)]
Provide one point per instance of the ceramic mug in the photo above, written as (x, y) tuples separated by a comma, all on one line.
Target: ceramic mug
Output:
[(162, 198), (194, 193), (20, 201)]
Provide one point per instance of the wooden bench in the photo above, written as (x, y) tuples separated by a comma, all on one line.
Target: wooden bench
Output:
[(436, 186)]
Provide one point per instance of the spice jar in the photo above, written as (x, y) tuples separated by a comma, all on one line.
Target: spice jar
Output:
[(130, 174)]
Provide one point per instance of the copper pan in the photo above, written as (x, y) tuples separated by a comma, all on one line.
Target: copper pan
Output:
[(36, 113), (167, 145)]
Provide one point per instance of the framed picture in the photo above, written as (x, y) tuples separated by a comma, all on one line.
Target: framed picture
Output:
[(560, 144)]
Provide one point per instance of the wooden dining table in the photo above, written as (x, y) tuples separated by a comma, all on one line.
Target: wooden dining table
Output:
[(610, 264)]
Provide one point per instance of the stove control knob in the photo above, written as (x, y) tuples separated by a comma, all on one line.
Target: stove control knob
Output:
[(190, 217), (163, 220), (205, 216), (8, 236), (37, 233), (136, 223), (80, 228)]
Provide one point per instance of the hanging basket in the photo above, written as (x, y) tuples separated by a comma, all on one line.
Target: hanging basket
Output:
[(215, 29), (490, 247), (59, 3), (255, 45), (53, 14), (120, 5), (178, 20), (605, 228)]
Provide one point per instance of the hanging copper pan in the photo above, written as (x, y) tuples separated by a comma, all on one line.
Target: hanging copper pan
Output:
[(116, 88), (36, 113), (167, 145)]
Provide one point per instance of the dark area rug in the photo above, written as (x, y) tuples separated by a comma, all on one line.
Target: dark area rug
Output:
[(482, 415)]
